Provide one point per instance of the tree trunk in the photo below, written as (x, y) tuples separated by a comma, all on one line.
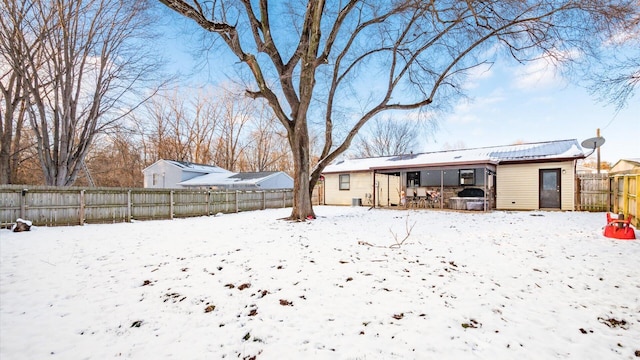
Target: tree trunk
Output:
[(302, 207)]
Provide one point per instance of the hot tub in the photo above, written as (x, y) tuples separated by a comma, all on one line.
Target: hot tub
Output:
[(466, 203)]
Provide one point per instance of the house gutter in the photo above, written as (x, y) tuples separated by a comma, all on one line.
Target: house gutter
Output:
[(451, 165), (537, 161)]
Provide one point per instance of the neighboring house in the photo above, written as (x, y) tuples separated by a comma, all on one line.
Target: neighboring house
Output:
[(265, 180), (523, 177), (180, 174), (626, 166), (166, 174)]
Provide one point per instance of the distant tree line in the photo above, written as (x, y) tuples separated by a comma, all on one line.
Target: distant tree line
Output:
[(213, 126)]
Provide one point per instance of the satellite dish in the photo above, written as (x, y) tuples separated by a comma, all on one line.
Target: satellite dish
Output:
[(593, 143)]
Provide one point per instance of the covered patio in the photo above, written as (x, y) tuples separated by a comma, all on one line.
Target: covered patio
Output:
[(458, 187)]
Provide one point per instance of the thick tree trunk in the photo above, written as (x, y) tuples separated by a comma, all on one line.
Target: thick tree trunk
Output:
[(302, 206)]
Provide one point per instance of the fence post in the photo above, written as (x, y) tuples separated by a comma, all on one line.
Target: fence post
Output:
[(129, 205), (264, 199), (208, 199), (81, 207), (23, 204), (171, 204), (284, 198), (237, 200)]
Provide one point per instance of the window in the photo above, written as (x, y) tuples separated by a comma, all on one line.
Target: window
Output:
[(344, 182), (467, 177), (155, 179), (413, 179)]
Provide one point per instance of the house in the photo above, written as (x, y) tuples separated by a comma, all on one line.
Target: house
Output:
[(181, 174), (521, 177), (265, 180), (626, 166), (166, 174)]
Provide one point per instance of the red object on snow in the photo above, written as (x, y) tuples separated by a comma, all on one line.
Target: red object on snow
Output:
[(619, 228)]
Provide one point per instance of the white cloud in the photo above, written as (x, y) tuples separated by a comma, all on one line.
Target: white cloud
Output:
[(468, 111), (536, 75), (544, 73)]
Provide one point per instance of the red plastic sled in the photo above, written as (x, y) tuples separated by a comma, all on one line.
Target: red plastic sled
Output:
[(619, 228)]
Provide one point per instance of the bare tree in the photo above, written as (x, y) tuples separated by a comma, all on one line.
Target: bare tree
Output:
[(12, 115), (14, 50), (386, 137), (266, 150), (115, 160), (83, 76), (617, 77), (323, 59), (235, 114), (205, 119)]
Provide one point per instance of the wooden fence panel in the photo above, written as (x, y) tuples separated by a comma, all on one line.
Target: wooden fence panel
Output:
[(251, 200), (51, 206), (223, 202), (105, 206), (10, 201), (151, 205), (190, 203), (626, 190), (594, 192)]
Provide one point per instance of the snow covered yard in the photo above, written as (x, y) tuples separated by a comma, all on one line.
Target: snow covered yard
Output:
[(499, 285)]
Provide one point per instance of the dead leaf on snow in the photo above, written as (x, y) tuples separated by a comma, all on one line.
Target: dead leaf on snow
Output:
[(244, 286)]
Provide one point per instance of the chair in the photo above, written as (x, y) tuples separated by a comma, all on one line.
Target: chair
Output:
[(433, 198), (619, 228), (422, 197), (412, 198)]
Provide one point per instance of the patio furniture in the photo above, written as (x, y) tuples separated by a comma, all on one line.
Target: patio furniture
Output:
[(619, 228)]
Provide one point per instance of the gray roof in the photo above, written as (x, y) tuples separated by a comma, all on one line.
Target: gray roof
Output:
[(252, 175), (540, 151)]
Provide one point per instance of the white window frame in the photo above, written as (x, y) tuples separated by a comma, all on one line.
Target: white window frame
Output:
[(344, 185)]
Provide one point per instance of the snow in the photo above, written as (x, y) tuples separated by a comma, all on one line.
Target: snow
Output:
[(496, 285)]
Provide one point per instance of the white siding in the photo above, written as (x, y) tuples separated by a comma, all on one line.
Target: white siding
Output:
[(277, 181), (361, 186), (167, 175), (517, 186)]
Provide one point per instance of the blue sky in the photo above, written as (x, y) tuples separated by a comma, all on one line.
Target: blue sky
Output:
[(533, 102)]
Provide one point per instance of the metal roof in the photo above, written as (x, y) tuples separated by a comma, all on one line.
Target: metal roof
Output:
[(530, 152)]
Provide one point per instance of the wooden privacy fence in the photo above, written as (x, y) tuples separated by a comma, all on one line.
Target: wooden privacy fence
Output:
[(593, 192), (626, 194), (53, 206)]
